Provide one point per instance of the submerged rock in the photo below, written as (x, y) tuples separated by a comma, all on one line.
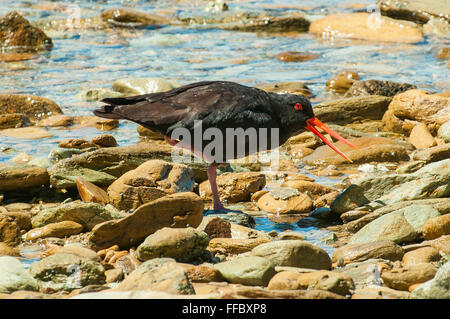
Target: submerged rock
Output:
[(287, 23), (133, 18), (13, 120), (34, 107)]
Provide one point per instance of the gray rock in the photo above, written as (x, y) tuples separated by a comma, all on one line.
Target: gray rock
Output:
[(377, 87), (436, 288), (66, 272), (294, 253), (444, 132), (252, 270), (363, 274), (86, 214), (13, 276), (350, 199)]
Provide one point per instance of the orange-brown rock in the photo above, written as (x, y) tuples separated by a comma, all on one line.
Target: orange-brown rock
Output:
[(104, 140), (294, 56), (285, 200), (421, 255), (421, 137), (60, 230), (234, 246), (90, 192), (436, 227), (218, 228)]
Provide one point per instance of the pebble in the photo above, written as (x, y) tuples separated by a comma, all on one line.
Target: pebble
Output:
[(293, 56)]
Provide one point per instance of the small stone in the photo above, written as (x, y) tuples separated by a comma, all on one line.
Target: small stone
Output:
[(353, 215), (104, 140), (55, 121), (76, 143), (293, 56), (421, 137), (91, 193), (433, 154), (218, 228), (34, 107), (114, 275), (202, 273), (106, 124), (342, 82), (377, 87)]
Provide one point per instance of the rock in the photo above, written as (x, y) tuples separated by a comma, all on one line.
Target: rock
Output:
[(102, 166), (28, 133), (104, 140), (106, 124), (372, 149), (402, 278), (418, 11), (22, 177), (216, 6), (66, 272), (360, 252), (234, 187), (420, 137), (55, 121), (421, 255), (374, 292), (13, 120), (136, 86), (353, 109), (76, 250), (366, 26), (342, 82), (159, 274), (6, 250), (364, 273), (14, 277), (313, 190), (17, 33), (34, 107), (177, 210), (234, 246), (86, 214), (148, 133), (76, 143), (218, 228), (378, 87), (236, 218), (323, 280), (293, 56), (15, 57), (113, 275), (202, 273), (60, 230), (436, 288), (134, 18), (127, 263), (91, 193), (290, 235), (9, 231), (325, 200), (295, 253), (444, 132), (151, 180), (286, 23), (413, 106), (90, 95), (436, 227), (182, 244), (433, 154), (353, 215), (400, 226), (284, 200), (298, 88), (253, 270)]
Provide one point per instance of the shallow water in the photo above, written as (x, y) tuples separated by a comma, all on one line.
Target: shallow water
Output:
[(95, 59)]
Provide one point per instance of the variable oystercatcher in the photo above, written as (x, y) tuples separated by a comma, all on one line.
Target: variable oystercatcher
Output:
[(221, 105)]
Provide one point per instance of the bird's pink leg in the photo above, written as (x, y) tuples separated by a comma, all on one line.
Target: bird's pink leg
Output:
[(212, 175)]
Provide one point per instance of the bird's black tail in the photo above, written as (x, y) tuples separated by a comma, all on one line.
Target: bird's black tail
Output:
[(107, 111)]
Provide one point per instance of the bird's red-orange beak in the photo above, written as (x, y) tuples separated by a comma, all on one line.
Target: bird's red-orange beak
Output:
[(311, 126)]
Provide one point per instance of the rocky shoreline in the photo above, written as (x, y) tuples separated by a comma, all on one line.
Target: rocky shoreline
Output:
[(99, 219)]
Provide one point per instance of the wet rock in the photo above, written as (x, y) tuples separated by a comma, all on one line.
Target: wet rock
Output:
[(177, 210), (372, 149), (151, 180), (136, 86), (253, 270), (436, 288), (22, 177), (342, 82), (433, 154), (182, 244), (418, 11), (421, 255), (400, 226), (14, 277), (86, 214), (323, 280), (374, 292), (325, 200), (234, 187), (234, 246), (9, 231), (60, 230), (66, 272), (403, 278), (16, 57), (216, 6), (218, 228), (76, 143), (353, 109), (284, 200), (150, 134), (202, 273), (294, 56), (436, 227), (365, 26), (90, 95), (313, 190), (6, 250), (298, 88), (55, 121), (133, 18), (444, 132), (295, 253), (287, 23), (413, 106), (13, 120), (360, 252), (34, 107), (421, 137), (91, 193), (378, 87), (18, 34), (28, 133), (159, 274), (102, 166), (104, 140)]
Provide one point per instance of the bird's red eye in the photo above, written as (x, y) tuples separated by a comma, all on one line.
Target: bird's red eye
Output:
[(298, 106)]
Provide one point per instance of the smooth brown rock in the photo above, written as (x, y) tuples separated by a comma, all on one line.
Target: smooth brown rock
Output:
[(433, 154), (353, 215), (421, 137), (293, 56), (360, 252), (234, 246), (285, 201), (22, 218), (90, 192), (56, 120), (34, 107), (123, 16), (403, 278), (175, 210), (114, 275), (421, 255), (9, 231), (342, 82), (76, 143), (106, 124), (22, 177), (313, 190), (76, 250), (151, 180), (234, 187), (27, 133), (298, 88), (104, 140), (374, 292), (60, 230), (325, 200), (436, 227), (218, 228), (202, 273), (148, 133)]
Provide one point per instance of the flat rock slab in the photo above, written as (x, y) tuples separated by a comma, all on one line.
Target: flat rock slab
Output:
[(21, 177)]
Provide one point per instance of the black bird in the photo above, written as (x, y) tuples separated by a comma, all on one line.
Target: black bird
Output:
[(221, 105)]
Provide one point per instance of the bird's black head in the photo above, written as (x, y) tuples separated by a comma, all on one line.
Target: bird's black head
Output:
[(296, 115)]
